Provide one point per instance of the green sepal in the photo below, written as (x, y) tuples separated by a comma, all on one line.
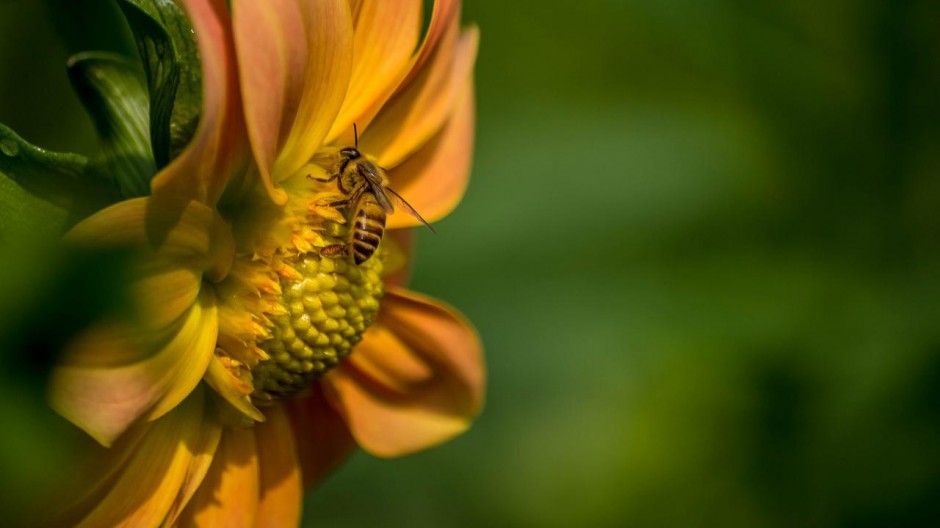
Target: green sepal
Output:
[(46, 191), (170, 56), (114, 92)]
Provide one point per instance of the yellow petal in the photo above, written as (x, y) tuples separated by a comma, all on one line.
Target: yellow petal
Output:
[(295, 57), (420, 108), (185, 235), (434, 178), (129, 368), (117, 373), (201, 171), (228, 495), (386, 35), (321, 437), (281, 484), (235, 391), (136, 483), (414, 386)]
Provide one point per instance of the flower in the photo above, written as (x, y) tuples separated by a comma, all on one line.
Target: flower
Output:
[(256, 362)]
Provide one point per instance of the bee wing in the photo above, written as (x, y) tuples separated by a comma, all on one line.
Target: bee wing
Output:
[(369, 173), (407, 207)]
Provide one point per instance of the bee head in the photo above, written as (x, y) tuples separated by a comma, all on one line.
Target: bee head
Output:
[(350, 153)]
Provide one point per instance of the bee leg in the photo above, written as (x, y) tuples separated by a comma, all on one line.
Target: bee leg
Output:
[(324, 180), (339, 204), (334, 250)]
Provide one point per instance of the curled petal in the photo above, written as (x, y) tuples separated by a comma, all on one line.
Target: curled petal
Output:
[(228, 495), (138, 482), (117, 373), (281, 484), (123, 370), (416, 384), (323, 441), (386, 35), (434, 178), (201, 171), (295, 57)]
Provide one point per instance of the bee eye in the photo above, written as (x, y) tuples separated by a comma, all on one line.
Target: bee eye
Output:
[(350, 152)]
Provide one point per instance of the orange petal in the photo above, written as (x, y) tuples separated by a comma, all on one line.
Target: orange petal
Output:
[(117, 373), (329, 66), (398, 262), (416, 384), (295, 58), (321, 436), (203, 454), (444, 14), (354, 7), (201, 171), (228, 495), (435, 177), (281, 486), (386, 35), (141, 477), (420, 108)]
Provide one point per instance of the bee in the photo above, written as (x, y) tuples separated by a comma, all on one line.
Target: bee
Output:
[(364, 186)]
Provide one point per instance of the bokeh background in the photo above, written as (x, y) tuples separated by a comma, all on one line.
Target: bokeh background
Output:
[(700, 244)]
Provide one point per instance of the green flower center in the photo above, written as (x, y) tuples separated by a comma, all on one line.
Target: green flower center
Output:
[(327, 312)]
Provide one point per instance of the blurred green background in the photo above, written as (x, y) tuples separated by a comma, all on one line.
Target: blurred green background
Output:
[(700, 244)]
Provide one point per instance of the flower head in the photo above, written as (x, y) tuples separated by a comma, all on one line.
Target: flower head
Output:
[(262, 353)]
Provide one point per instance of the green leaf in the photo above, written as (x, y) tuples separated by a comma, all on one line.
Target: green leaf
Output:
[(49, 293), (46, 191), (170, 55), (115, 94)]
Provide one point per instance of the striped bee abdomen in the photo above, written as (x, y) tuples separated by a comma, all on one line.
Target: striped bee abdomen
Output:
[(368, 227)]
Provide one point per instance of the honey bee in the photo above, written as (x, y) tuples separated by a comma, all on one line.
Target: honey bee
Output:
[(364, 186)]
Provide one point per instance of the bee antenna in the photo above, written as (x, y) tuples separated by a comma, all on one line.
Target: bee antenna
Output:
[(356, 135)]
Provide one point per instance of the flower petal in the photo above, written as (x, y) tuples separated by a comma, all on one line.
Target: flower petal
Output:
[(185, 235), (442, 16), (435, 177), (295, 57), (329, 66), (203, 454), (129, 368), (415, 385), (281, 485), (228, 495), (140, 478), (399, 244), (322, 439), (233, 390), (420, 108), (386, 35), (115, 373), (201, 171)]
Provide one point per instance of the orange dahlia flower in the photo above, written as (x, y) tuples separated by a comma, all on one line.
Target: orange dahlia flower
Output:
[(255, 362)]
